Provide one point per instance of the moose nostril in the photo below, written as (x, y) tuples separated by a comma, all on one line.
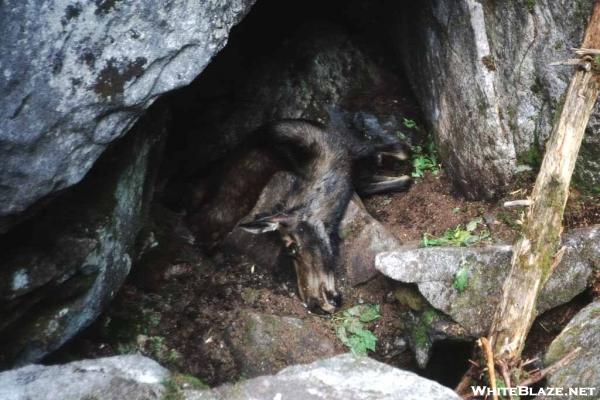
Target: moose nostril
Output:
[(335, 299)]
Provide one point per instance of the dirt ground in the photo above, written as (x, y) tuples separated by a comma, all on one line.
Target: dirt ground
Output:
[(178, 303), (431, 206)]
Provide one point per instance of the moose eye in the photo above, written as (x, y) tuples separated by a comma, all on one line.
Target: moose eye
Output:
[(292, 250)]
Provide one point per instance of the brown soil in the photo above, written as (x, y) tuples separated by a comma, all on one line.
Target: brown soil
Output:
[(179, 302), (431, 206), (583, 209)]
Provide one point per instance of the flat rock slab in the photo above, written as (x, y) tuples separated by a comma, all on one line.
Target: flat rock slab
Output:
[(339, 378), (131, 377), (265, 344), (582, 372), (466, 283)]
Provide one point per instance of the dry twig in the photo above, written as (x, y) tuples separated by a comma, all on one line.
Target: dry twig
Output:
[(551, 369), (517, 203), (489, 356)]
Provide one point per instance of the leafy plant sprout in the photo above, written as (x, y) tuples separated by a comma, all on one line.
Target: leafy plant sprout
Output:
[(350, 328), (424, 160), (473, 233)]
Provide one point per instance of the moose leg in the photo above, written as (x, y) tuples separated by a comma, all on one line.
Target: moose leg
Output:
[(382, 184), (384, 157), (377, 173)]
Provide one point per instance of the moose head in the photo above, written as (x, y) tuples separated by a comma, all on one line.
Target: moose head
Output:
[(310, 248)]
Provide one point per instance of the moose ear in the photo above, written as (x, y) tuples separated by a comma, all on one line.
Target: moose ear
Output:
[(265, 224)]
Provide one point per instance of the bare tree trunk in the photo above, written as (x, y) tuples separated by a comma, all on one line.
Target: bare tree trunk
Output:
[(536, 252)]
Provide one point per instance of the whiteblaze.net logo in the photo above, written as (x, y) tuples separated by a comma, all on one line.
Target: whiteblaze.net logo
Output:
[(485, 391)]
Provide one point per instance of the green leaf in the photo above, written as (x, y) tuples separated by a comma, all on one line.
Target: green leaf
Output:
[(428, 316), (370, 313), (351, 330), (357, 345), (401, 135), (369, 340), (461, 279), (353, 326), (340, 332), (353, 311), (423, 162), (472, 225), (409, 123), (458, 236)]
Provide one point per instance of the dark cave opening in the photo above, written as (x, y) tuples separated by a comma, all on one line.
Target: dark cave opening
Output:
[(277, 44), (327, 62), (449, 361)]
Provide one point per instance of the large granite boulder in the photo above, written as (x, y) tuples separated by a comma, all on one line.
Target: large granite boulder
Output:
[(338, 378), (130, 377), (59, 270), (75, 76), (466, 283), (482, 73), (135, 377), (582, 371)]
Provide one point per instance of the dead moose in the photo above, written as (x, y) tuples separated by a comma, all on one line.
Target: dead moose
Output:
[(323, 167)]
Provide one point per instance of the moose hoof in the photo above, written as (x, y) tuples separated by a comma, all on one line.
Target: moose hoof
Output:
[(382, 184), (384, 157)]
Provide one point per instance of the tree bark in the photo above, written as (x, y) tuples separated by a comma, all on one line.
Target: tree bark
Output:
[(535, 254)]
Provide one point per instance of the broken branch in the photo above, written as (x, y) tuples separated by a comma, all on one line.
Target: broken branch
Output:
[(552, 368), (517, 203), (489, 356), (535, 254)]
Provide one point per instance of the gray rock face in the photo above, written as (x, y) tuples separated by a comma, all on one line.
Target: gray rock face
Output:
[(130, 377), (75, 76), (265, 344), (466, 283), (481, 71), (338, 378), (58, 271), (582, 331)]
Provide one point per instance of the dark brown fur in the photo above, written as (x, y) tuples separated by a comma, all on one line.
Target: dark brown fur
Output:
[(310, 202)]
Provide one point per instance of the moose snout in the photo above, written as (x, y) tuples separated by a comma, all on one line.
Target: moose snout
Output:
[(324, 301), (328, 301), (334, 298)]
